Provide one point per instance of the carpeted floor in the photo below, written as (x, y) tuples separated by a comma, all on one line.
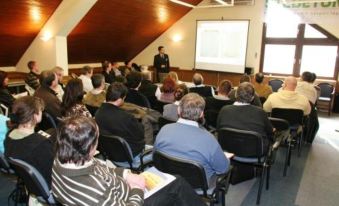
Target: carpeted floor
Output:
[(312, 179)]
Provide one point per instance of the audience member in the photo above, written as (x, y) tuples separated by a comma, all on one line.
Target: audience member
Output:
[(60, 88), (288, 98), (136, 67), (113, 120), (221, 99), (133, 95), (32, 78), (174, 76), (305, 87), (200, 88), (185, 139), (6, 97), (85, 77), (46, 92), (256, 100), (171, 110), (35, 148), (97, 96), (126, 69), (75, 170), (261, 87), (166, 92), (106, 71), (115, 69), (72, 100), (3, 131), (242, 115), (147, 88)]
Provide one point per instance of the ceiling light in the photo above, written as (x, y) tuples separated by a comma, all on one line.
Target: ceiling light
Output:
[(47, 35)]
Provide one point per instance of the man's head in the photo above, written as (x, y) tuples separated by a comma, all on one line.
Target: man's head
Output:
[(87, 71), (48, 79), (245, 78), (115, 65), (133, 80), (98, 81), (33, 66), (77, 140), (225, 86), (161, 50), (59, 72), (290, 83), (307, 77), (245, 93), (198, 79), (314, 77), (191, 107), (259, 77), (106, 66), (116, 93)]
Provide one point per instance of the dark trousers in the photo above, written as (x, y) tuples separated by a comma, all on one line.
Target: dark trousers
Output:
[(177, 193)]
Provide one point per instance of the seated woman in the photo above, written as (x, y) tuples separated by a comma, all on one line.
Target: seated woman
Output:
[(171, 110), (35, 148), (166, 92), (174, 76), (5, 96), (80, 179), (72, 100)]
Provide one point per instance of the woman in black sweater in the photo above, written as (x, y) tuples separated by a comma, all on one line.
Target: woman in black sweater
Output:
[(5, 96), (22, 142)]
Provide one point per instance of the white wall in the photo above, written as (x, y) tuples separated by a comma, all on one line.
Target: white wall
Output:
[(182, 53)]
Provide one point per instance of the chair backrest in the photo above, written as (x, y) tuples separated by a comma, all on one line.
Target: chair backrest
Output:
[(279, 124), (211, 117), (192, 171), (115, 149), (92, 109), (162, 121), (47, 122), (262, 100), (275, 84), (159, 105), (293, 116), (4, 109), (4, 165), (242, 143), (326, 89), (32, 179)]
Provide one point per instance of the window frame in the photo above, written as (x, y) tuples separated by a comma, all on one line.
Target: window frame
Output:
[(299, 42)]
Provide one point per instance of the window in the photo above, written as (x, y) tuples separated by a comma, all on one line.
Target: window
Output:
[(311, 49)]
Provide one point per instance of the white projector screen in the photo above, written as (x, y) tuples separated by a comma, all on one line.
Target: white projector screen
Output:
[(221, 45)]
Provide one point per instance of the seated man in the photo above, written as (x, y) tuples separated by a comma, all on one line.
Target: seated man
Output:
[(96, 96), (133, 95), (242, 115), (256, 99), (47, 92), (147, 88), (288, 98), (261, 87), (80, 179), (113, 120), (185, 139), (106, 71), (85, 77), (200, 88), (32, 78)]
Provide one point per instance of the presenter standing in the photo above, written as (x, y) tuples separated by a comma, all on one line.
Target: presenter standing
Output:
[(161, 63)]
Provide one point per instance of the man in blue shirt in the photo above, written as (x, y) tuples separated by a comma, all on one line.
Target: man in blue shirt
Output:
[(186, 139)]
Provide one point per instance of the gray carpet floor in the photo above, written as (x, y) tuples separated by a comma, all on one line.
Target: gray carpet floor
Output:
[(312, 179)]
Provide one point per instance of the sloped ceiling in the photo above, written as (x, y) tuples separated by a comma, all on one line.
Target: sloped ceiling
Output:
[(20, 22), (118, 30)]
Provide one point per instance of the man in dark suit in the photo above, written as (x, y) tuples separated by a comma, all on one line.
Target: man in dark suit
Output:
[(161, 63), (112, 120)]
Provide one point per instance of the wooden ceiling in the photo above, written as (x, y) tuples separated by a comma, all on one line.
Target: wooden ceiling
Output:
[(20, 22), (118, 30)]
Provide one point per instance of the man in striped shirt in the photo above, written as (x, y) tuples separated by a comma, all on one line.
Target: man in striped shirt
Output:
[(80, 179)]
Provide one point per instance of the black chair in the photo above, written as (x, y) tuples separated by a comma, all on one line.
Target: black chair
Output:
[(194, 174), (282, 125), (205, 91), (159, 105), (326, 97), (262, 100), (295, 118), (4, 165), (92, 109), (275, 84), (162, 121), (34, 182), (248, 148), (211, 117), (47, 122), (117, 150)]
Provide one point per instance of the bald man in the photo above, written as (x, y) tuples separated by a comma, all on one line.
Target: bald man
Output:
[(288, 98)]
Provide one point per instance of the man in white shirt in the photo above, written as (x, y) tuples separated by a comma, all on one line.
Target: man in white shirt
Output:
[(85, 77)]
